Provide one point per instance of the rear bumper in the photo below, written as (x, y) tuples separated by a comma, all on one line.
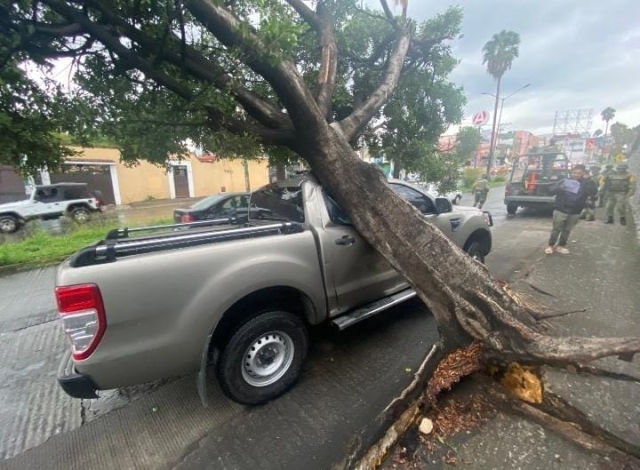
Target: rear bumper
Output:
[(74, 384), (530, 200)]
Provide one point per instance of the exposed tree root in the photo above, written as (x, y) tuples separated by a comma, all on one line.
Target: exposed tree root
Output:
[(546, 316), (584, 369), (574, 432), (560, 409)]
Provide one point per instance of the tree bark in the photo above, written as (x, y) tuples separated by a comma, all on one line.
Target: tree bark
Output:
[(464, 299)]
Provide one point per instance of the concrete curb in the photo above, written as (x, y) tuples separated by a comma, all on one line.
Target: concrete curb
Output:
[(369, 449)]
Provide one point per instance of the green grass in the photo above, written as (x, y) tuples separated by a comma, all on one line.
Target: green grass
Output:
[(42, 248)]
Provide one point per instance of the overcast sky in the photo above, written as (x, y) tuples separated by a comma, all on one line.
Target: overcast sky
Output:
[(577, 54)]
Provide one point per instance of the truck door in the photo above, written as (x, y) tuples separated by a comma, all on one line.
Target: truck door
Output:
[(47, 201), (358, 273), (447, 222)]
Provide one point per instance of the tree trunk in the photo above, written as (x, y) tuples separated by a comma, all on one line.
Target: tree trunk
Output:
[(396, 169), (281, 172), (465, 301)]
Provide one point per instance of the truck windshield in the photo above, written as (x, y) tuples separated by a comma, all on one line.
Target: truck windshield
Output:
[(277, 203), (545, 164)]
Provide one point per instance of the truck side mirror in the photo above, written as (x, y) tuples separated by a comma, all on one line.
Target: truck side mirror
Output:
[(443, 205)]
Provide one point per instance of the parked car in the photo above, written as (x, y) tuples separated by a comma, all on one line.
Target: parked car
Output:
[(240, 297), (218, 206), (50, 202), (532, 176), (433, 188)]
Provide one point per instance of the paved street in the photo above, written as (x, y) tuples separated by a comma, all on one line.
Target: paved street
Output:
[(350, 379)]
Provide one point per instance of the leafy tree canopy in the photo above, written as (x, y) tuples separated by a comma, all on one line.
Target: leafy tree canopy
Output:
[(152, 78)]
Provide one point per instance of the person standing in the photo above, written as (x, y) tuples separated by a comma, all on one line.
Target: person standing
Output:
[(620, 185), (591, 187), (603, 176), (571, 196), (480, 189)]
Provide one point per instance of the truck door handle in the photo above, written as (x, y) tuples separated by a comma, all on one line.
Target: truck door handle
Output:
[(346, 240)]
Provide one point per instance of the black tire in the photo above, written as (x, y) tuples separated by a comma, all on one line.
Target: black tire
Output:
[(239, 371), (511, 209), (9, 224), (476, 251), (81, 215)]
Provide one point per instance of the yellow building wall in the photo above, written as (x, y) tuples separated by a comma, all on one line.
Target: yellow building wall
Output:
[(227, 175), (145, 180)]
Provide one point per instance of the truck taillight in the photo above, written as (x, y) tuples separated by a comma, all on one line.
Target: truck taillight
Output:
[(507, 190), (83, 320), (186, 218)]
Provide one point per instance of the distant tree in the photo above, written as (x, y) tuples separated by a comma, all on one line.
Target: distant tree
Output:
[(498, 54), (597, 133), (607, 115), (467, 140)]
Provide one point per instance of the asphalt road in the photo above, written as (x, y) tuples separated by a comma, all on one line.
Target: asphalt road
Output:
[(350, 379)]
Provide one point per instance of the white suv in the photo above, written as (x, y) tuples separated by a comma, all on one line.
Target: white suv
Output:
[(50, 202)]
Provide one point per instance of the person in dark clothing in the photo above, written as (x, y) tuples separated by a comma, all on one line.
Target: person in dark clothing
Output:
[(591, 187), (571, 197)]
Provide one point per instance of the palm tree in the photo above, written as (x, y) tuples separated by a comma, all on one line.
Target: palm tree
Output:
[(498, 54), (607, 114)]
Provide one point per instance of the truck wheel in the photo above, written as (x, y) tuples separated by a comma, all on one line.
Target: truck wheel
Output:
[(8, 224), (476, 251), (81, 215), (263, 357), (511, 209)]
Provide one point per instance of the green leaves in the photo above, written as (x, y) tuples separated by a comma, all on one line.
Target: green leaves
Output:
[(500, 52)]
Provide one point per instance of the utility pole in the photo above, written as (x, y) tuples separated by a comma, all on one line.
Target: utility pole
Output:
[(495, 114)]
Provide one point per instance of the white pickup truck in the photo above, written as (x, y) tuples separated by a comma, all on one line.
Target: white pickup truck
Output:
[(50, 202)]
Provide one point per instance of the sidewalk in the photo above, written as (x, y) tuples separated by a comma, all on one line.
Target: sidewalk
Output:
[(601, 275)]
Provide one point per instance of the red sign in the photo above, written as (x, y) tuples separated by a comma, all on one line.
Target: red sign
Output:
[(480, 118)]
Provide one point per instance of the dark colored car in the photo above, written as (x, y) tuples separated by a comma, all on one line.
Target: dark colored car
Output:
[(218, 206)]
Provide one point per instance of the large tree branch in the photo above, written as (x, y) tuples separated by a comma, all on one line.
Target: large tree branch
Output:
[(199, 67), (307, 14), (360, 117), (218, 119), (322, 23), (281, 74), (329, 63), (127, 56), (263, 134)]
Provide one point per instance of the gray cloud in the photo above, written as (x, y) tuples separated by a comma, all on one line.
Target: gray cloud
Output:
[(575, 53)]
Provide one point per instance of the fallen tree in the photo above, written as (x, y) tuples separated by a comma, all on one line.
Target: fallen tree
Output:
[(270, 72)]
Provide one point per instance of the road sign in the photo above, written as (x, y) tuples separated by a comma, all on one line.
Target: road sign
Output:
[(620, 158), (480, 118)]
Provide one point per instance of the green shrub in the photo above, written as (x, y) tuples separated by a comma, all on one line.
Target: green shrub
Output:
[(471, 175), (499, 179)]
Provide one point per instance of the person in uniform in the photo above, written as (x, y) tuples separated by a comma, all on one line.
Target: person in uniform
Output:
[(480, 189), (619, 185), (602, 195)]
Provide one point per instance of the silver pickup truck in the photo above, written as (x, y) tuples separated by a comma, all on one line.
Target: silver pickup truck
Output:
[(137, 309)]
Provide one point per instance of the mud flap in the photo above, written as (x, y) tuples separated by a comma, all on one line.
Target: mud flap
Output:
[(201, 378)]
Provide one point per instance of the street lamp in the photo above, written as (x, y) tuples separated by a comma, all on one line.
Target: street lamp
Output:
[(495, 141)]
